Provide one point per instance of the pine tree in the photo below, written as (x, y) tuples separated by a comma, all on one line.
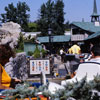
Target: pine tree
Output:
[(45, 20), (59, 18), (79, 90), (10, 14), (17, 14), (52, 16)]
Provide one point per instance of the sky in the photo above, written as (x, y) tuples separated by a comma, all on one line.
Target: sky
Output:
[(75, 10)]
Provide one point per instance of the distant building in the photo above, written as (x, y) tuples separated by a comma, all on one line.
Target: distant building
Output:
[(67, 33), (32, 34), (81, 30)]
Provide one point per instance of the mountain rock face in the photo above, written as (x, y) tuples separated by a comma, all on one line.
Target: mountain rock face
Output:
[(17, 67), (9, 32)]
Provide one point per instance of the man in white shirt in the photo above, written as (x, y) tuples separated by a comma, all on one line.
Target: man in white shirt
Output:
[(61, 54)]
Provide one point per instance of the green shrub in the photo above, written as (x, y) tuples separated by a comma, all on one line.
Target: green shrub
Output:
[(21, 42), (30, 53), (43, 52), (79, 90), (36, 53)]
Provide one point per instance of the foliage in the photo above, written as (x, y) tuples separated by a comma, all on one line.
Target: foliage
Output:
[(20, 45), (30, 53), (43, 52), (33, 27), (59, 17), (52, 16), (36, 53), (17, 14), (79, 90), (67, 26), (29, 39), (22, 91)]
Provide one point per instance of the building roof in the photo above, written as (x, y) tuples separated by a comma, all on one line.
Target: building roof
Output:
[(88, 26), (95, 35), (60, 38)]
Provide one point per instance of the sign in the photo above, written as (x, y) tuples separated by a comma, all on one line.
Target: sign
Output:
[(38, 66)]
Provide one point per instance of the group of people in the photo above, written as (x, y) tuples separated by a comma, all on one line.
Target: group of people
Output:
[(93, 56), (74, 49), (6, 82)]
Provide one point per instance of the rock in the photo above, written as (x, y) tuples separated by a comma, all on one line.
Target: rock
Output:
[(12, 27), (17, 67), (9, 32)]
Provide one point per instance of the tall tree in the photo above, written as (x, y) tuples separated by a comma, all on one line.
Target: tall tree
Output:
[(17, 14), (52, 16), (67, 26), (10, 14), (59, 17), (42, 21), (45, 20)]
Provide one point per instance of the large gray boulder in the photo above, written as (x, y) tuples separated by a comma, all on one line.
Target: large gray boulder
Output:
[(17, 67), (9, 32)]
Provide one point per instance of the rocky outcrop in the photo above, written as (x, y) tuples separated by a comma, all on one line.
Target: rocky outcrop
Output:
[(17, 67), (9, 32)]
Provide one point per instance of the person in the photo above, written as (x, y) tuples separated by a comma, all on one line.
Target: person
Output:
[(95, 54), (6, 82), (75, 49), (62, 54)]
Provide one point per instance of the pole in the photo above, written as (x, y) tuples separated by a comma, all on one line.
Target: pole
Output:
[(50, 43)]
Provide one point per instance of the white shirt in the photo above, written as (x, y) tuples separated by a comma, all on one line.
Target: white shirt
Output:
[(61, 51), (95, 60)]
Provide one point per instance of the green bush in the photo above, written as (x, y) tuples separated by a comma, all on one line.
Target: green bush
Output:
[(79, 90), (30, 53), (43, 52), (36, 53), (21, 42)]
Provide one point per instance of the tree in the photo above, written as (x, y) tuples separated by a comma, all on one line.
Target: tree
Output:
[(10, 14), (52, 16), (33, 27), (20, 45), (17, 14), (67, 26), (59, 18), (79, 90), (46, 17)]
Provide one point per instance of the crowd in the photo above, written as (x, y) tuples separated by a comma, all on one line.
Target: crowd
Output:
[(6, 82), (74, 49), (80, 57)]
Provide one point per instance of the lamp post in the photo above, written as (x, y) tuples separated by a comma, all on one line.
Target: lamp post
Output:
[(49, 33)]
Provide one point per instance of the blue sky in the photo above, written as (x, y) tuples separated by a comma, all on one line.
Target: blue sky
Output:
[(75, 9)]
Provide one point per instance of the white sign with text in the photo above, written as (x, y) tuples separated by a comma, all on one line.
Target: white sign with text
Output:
[(38, 66)]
